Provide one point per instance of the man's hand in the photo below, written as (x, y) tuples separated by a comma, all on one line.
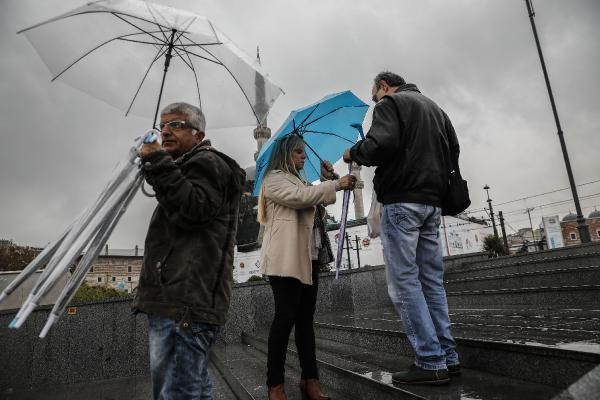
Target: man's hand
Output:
[(148, 148), (346, 156)]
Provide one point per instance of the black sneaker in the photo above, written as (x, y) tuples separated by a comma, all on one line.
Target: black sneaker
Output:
[(453, 369), (419, 376)]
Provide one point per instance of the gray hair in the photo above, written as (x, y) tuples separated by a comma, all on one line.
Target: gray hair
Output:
[(195, 117), (390, 78)]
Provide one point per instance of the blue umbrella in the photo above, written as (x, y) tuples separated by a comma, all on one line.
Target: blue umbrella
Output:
[(326, 128)]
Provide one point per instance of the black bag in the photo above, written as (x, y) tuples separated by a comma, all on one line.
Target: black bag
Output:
[(456, 199)]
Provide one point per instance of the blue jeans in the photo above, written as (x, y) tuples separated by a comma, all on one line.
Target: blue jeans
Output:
[(415, 278), (179, 359)]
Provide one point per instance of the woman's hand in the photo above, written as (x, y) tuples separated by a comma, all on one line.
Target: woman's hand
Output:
[(347, 182), (327, 170)]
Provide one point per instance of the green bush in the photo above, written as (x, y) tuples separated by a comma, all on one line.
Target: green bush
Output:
[(494, 245), (255, 278), (87, 293)]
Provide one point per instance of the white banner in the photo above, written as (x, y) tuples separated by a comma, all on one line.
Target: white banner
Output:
[(554, 237)]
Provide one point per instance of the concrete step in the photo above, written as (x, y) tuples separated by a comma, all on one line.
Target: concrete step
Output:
[(377, 367), (563, 328), (535, 278), (575, 296), (512, 265), (247, 365), (340, 376), (478, 262), (378, 331)]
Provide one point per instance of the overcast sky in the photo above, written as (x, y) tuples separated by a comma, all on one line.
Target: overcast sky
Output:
[(477, 59)]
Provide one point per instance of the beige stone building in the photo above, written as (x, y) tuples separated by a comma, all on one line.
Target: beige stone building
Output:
[(118, 269)]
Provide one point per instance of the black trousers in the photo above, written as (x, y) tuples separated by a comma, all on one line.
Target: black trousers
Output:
[(295, 305)]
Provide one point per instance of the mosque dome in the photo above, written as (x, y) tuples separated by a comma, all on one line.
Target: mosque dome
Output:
[(594, 214), (569, 217)]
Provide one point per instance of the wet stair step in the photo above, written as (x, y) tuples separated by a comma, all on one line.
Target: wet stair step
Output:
[(248, 366), (499, 353), (516, 264), (536, 278), (377, 367)]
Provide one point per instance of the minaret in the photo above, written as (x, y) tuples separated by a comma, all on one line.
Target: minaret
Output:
[(359, 209), (262, 132)]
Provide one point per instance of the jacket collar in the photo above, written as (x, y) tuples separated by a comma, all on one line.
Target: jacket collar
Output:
[(408, 87), (200, 146)]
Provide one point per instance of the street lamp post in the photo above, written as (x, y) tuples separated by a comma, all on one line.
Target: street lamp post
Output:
[(584, 232), (489, 201)]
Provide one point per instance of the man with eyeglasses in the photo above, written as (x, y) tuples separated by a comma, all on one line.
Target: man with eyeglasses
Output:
[(186, 279), (407, 144)]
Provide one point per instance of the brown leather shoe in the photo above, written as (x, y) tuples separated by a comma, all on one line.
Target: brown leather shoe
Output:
[(277, 393), (311, 390)]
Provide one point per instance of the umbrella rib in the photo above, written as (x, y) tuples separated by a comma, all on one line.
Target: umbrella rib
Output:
[(307, 117), (311, 164), (159, 54), (199, 56), (195, 75), (156, 22), (331, 112), (88, 53), (137, 27), (200, 44), (330, 134), (232, 76), (178, 54), (311, 149), (137, 41)]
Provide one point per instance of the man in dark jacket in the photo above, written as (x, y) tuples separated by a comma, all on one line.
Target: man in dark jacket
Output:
[(407, 143), (186, 278)]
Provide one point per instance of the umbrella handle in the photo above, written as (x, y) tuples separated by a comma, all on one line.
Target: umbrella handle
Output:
[(151, 136)]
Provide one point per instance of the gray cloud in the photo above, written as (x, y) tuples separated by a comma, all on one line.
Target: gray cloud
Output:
[(477, 59)]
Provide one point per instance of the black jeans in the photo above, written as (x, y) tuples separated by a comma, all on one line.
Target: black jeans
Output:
[(294, 306)]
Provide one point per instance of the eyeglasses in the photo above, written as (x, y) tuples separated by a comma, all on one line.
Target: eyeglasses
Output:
[(173, 125)]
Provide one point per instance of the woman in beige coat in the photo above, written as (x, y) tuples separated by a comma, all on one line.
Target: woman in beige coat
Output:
[(294, 246)]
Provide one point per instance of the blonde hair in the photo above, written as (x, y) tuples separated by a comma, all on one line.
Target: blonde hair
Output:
[(281, 159)]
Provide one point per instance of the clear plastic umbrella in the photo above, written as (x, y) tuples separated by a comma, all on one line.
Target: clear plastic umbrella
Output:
[(119, 51), (94, 227)]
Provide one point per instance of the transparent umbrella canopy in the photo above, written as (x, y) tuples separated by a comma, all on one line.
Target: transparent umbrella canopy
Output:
[(120, 51)]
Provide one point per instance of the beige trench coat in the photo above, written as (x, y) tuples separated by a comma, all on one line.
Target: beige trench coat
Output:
[(286, 247)]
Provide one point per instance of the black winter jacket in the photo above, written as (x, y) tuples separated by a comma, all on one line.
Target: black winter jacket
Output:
[(187, 271), (408, 144)]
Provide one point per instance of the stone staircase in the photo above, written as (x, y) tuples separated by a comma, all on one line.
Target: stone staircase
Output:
[(527, 327)]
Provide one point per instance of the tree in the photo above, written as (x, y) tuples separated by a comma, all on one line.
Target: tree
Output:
[(494, 245), (16, 258), (87, 293)]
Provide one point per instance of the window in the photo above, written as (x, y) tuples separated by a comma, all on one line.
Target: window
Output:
[(92, 269), (573, 236), (129, 268), (99, 279), (128, 279), (114, 278), (598, 233)]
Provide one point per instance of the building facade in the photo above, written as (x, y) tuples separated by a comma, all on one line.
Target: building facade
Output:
[(117, 270), (568, 226)]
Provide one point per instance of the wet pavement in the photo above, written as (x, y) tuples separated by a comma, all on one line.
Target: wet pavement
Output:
[(570, 329)]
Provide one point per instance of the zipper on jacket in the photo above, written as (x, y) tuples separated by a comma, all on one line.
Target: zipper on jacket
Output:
[(161, 264)]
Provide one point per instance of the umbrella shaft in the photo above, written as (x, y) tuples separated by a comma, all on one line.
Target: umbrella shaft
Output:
[(167, 63)]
